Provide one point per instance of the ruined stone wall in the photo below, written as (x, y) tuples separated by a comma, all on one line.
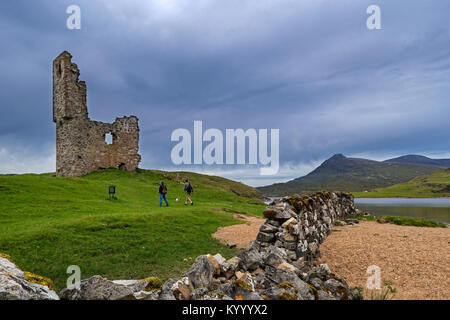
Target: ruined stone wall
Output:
[(299, 224), (80, 142)]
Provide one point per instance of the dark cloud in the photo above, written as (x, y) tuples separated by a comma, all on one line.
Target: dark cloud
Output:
[(311, 69)]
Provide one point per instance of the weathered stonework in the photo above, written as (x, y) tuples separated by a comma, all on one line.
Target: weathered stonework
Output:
[(81, 147)]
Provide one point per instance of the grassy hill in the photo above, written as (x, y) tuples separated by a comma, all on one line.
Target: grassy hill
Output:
[(48, 223), (349, 174), (434, 185)]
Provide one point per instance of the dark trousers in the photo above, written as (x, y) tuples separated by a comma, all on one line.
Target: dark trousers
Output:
[(161, 197)]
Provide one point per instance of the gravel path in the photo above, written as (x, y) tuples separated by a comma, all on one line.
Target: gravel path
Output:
[(415, 259), (240, 234)]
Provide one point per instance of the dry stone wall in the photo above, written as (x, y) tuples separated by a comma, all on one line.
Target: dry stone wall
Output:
[(81, 147), (299, 224)]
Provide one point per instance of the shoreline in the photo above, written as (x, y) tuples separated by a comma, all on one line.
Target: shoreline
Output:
[(381, 197)]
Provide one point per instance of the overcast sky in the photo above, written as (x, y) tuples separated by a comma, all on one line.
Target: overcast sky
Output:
[(310, 68)]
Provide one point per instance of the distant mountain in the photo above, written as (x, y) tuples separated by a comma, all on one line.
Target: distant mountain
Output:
[(416, 159), (350, 174)]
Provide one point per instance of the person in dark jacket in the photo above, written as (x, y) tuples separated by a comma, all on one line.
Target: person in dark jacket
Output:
[(188, 189), (162, 193)]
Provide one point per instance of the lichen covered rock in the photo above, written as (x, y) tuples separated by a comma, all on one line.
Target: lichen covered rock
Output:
[(16, 284)]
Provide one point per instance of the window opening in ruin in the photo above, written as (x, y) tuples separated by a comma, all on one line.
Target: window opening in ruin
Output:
[(59, 71), (108, 138)]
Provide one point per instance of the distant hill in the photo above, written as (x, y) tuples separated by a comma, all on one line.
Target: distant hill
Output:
[(350, 174), (416, 159), (434, 185)]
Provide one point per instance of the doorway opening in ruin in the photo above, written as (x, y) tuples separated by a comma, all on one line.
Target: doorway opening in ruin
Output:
[(109, 138), (122, 166)]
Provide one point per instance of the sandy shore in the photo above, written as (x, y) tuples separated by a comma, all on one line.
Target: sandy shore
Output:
[(415, 259)]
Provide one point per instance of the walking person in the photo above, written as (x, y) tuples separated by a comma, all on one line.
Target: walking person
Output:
[(188, 189), (162, 193)]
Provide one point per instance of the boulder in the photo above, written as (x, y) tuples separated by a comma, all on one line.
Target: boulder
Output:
[(134, 285), (201, 272), (15, 286), (274, 256), (252, 296), (229, 267), (247, 278), (339, 289), (284, 291), (288, 266), (219, 258), (250, 260), (265, 237), (268, 228), (166, 291), (98, 288), (227, 289), (279, 276), (182, 289), (276, 213)]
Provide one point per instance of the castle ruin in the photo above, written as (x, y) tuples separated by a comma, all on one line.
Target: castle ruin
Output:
[(81, 145)]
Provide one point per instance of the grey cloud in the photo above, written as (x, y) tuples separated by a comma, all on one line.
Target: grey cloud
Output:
[(311, 69)]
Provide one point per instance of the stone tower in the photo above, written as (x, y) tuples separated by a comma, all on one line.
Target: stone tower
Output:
[(81, 147)]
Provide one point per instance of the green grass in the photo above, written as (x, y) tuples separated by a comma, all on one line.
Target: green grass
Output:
[(434, 185), (387, 292), (48, 223), (402, 221), (407, 221)]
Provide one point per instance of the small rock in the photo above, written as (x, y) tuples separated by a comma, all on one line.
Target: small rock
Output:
[(231, 245), (147, 295), (323, 268), (291, 221), (287, 266), (215, 264), (181, 289), (229, 267), (198, 293)]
